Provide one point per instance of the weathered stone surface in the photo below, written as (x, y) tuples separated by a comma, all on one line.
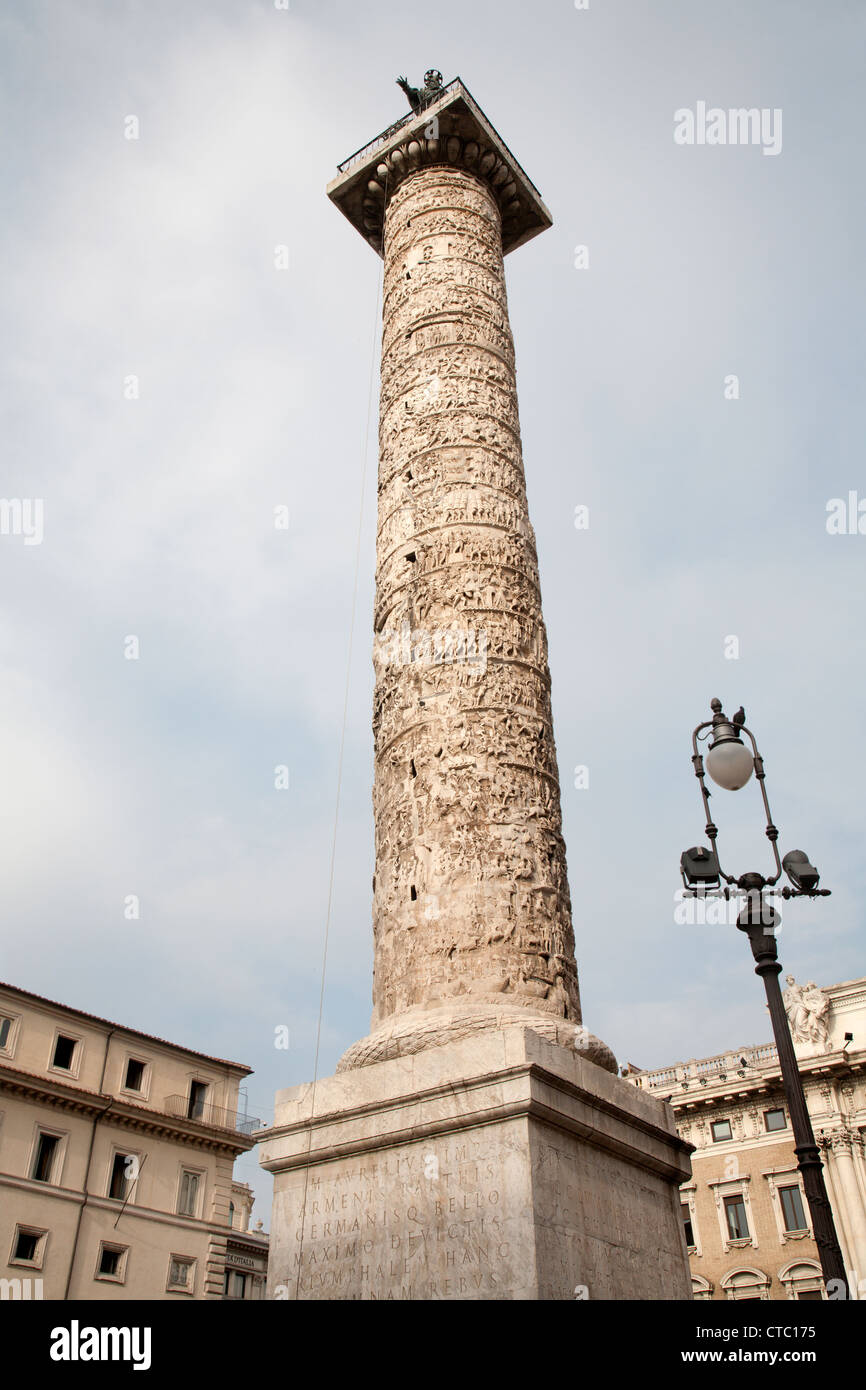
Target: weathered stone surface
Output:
[(475, 1144), (471, 912), (501, 1167)]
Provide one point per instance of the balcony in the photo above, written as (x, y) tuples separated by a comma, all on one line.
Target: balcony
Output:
[(424, 116), (709, 1069), (380, 140), (212, 1115)]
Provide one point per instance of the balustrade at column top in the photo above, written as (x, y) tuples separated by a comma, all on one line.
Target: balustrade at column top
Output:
[(452, 131)]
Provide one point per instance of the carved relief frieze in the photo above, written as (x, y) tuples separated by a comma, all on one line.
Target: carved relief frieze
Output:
[(471, 900)]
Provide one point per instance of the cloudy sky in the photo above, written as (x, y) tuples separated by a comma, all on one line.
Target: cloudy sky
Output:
[(154, 258)]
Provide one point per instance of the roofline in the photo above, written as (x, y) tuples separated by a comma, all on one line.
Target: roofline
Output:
[(119, 1109), (859, 980), (122, 1028)]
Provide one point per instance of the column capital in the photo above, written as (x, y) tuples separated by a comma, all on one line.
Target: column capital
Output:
[(836, 1141), (452, 131)]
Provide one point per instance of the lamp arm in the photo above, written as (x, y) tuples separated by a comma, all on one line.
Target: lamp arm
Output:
[(771, 831), (712, 830)]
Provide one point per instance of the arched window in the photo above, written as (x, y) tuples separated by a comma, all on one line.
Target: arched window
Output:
[(702, 1289), (747, 1284), (802, 1280)]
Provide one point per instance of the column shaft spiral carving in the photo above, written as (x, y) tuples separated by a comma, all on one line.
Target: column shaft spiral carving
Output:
[(471, 911)]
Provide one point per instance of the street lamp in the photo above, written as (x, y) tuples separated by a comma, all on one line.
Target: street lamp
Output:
[(730, 763)]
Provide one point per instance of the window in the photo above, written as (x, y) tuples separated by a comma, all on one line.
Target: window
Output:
[(687, 1223), (775, 1119), (803, 1279), (111, 1263), (64, 1052), (750, 1285), (123, 1173), (197, 1093), (181, 1274), (735, 1214), (134, 1075), (27, 1247), (5, 1030), (43, 1159), (231, 1213), (792, 1209), (188, 1196), (721, 1131), (236, 1284)]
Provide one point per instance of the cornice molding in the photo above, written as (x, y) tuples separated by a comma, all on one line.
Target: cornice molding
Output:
[(126, 1114), (452, 132)]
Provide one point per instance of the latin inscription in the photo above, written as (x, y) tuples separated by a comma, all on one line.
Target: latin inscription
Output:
[(441, 1231)]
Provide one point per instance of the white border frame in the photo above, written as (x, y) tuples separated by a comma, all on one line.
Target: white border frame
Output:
[(188, 1288), (201, 1174), (78, 1053), (123, 1251), (734, 1187), (124, 1090), (24, 1228), (59, 1154)]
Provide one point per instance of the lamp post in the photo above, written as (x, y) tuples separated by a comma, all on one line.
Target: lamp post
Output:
[(730, 764)]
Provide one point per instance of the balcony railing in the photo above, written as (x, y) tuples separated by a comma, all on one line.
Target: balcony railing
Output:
[(374, 144), (391, 130), (710, 1068), (213, 1115), (456, 84)]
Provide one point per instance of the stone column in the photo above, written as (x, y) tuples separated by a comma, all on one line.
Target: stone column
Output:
[(469, 1148), (471, 912), (850, 1199)]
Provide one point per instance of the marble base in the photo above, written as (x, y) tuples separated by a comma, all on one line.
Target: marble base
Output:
[(497, 1167), (416, 1030)]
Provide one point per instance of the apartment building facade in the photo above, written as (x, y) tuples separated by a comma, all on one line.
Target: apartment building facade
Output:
[(745, 1213), (116, 1158), (247, 1250)]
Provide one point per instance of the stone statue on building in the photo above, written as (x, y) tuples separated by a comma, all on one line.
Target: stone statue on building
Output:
[(818, 1007), (792, 998), (807, 1008), (423, 96)]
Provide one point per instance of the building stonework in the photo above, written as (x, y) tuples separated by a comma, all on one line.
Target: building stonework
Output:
[(246, 1249), (116, 1157), (500, 1166), (732, 1108)]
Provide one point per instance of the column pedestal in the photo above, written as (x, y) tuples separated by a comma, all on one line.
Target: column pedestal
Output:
[(499, 1167)]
